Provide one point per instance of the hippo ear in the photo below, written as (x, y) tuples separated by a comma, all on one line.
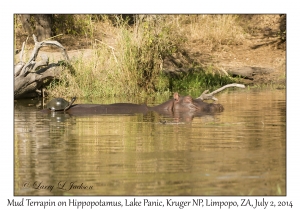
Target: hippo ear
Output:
[(176, 96)]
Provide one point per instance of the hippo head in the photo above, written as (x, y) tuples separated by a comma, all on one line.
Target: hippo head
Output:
[(187, 103), (183, 103)]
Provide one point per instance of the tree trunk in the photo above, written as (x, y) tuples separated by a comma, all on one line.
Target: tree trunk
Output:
[(25, 19), (42, 25)]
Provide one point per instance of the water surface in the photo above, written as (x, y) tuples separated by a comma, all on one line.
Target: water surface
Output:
[(241, 151)]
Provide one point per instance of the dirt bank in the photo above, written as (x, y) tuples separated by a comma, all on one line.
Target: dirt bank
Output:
[(259, 59)]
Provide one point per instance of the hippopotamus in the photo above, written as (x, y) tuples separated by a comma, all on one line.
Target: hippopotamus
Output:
[(175, 105), (184, 103)]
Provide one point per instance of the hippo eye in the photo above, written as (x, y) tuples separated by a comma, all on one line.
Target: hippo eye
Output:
[(188, 99)]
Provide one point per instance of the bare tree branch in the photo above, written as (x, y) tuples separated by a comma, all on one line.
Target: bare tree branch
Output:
[(37, 47), (28, 76), (210, 96)]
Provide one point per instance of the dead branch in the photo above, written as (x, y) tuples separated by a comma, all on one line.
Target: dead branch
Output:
[(29, 76), (22, 51), (37, 47), (210, 96)]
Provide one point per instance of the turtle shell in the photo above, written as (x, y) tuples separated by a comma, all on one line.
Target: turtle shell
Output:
[(57, 104)]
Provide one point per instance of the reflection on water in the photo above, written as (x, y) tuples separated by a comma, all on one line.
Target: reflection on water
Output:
[(241, 151)]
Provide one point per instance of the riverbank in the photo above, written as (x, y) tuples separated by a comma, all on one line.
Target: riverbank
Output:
[(249, 49)]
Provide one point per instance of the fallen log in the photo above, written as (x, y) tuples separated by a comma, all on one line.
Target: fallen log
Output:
[(29, 77)]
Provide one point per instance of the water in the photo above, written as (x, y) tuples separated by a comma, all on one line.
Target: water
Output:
[(241, 151)]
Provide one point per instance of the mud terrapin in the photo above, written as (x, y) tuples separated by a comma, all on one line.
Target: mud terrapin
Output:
[(58, 104)]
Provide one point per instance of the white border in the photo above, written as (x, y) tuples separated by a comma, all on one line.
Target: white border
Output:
[(8, 8)]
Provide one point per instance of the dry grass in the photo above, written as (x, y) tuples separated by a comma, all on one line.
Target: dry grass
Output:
[(213, 30), (128, 59)]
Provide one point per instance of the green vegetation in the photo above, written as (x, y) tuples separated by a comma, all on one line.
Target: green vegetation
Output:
[(129, 59), (199, 81)]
